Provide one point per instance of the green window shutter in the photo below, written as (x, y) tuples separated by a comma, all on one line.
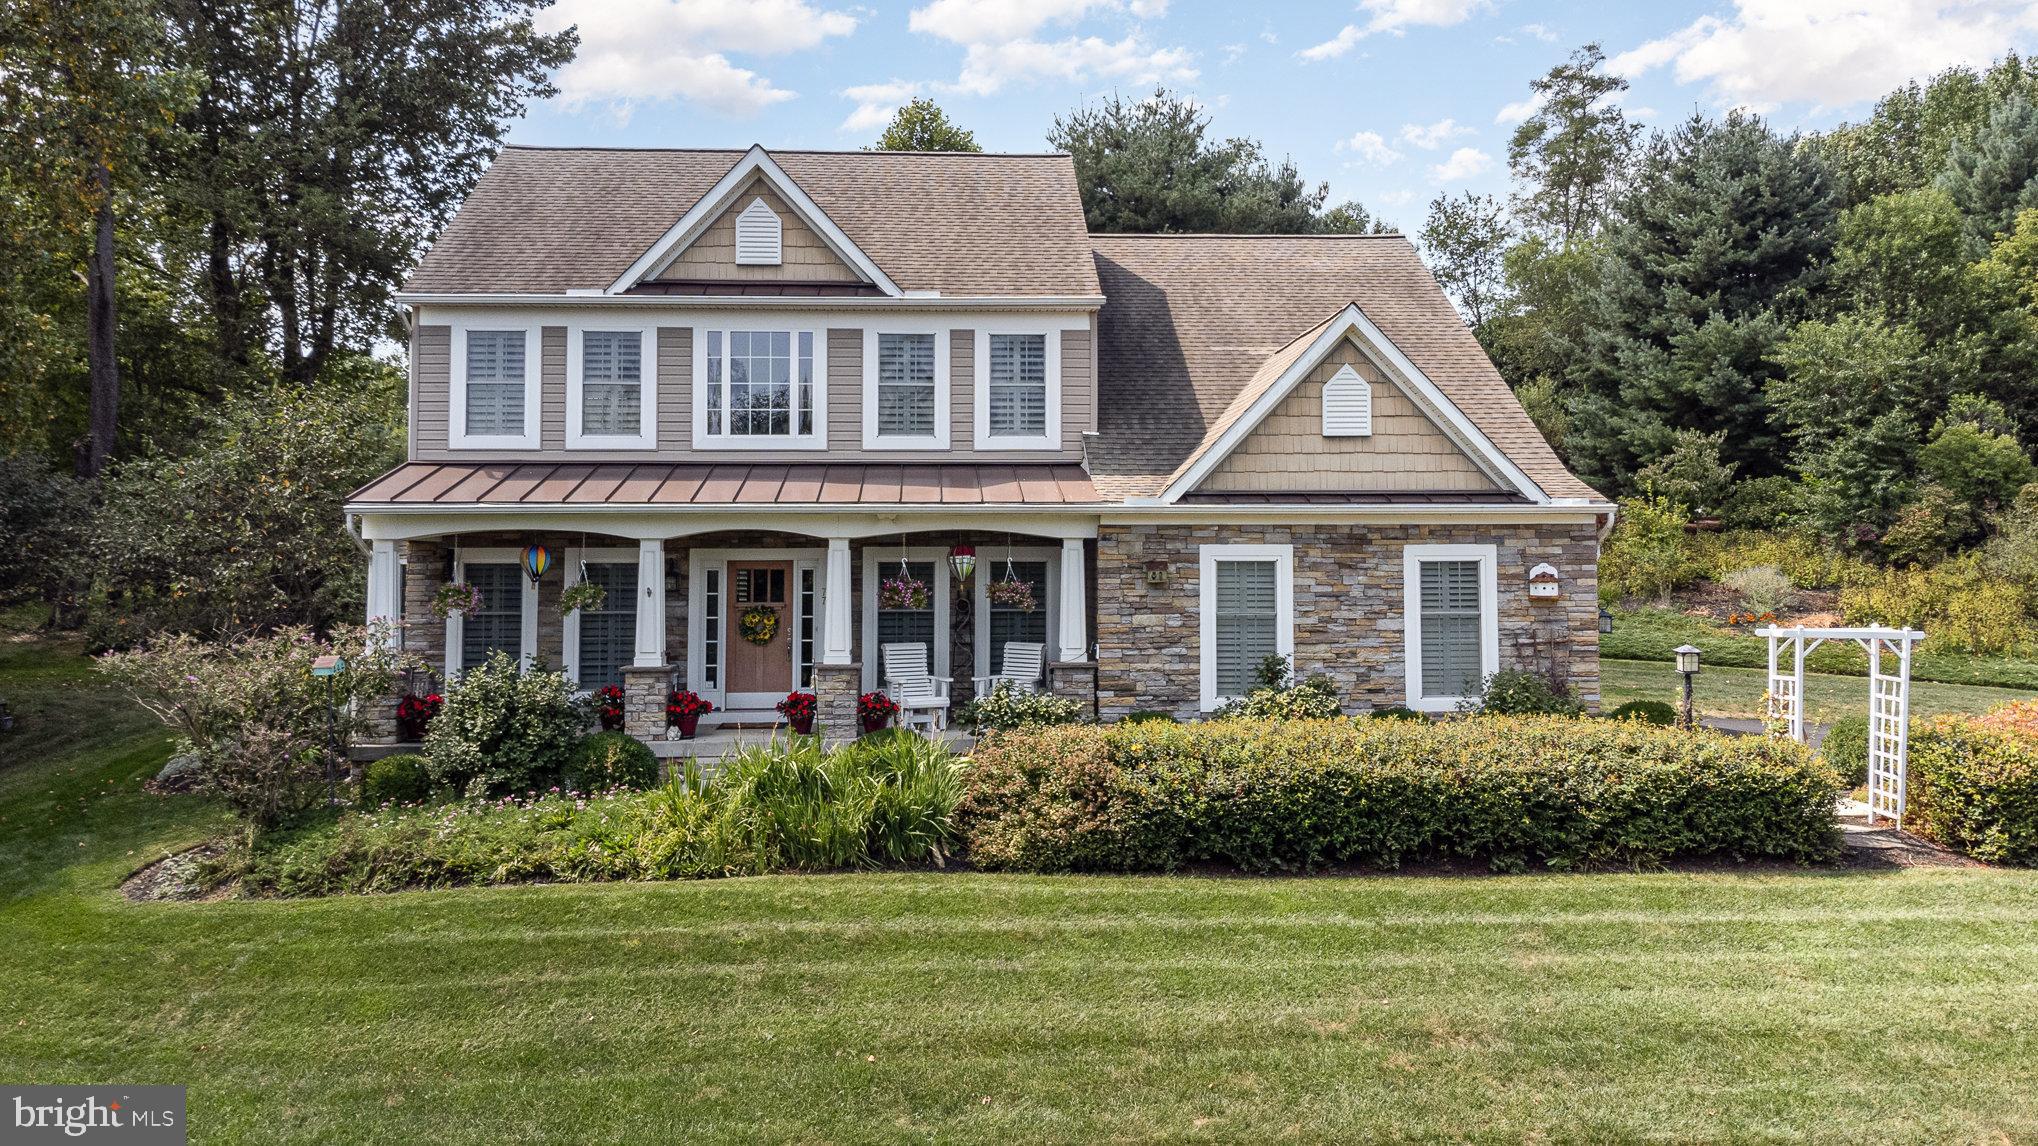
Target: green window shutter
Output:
[(1451, 661), (1248, 622)]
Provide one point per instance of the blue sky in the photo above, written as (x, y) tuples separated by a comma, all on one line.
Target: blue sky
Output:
[(1391, 101)]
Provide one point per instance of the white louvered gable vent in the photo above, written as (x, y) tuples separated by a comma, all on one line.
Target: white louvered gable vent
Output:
[(1347, 405), (758, 235)]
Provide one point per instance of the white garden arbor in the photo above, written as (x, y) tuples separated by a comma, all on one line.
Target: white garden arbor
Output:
[(1889, 700)]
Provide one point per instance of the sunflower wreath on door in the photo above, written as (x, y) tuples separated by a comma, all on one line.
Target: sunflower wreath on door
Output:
[(758, 625)]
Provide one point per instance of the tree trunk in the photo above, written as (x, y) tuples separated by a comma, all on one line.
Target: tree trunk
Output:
[(99, 328)]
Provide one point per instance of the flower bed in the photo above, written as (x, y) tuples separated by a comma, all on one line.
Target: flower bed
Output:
[(1512, 792)]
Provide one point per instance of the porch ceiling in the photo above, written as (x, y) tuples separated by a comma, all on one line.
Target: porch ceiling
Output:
[(660, 483)]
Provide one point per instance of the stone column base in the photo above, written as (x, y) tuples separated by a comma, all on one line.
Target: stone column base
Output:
[(644, 692), (1076, 680), (836, 688)]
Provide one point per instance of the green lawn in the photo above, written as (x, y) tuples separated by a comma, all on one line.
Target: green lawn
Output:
[(1820, 1006), (1649, 634), (1722, 691)]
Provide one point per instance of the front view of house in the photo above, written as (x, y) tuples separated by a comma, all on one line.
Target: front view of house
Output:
[(744, 391)]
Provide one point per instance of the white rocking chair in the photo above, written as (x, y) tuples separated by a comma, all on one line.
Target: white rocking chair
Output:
[(922, 697), (1021, 669)]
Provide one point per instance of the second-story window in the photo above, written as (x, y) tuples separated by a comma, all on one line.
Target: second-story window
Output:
[(1017, 376), (760, 385), (905, 385), (495, 383), (611, 383)]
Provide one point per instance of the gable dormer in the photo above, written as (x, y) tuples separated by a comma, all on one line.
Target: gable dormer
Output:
[(755, 226)]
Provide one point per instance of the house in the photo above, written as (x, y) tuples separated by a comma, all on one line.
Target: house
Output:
[(751, 384)]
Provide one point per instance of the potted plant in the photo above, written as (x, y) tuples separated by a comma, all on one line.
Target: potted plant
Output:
[(414, 715), (875, 710), (456, 597), (683, 710), (608, 706), (582, 596), (1011, 593), (798, 710), (904, 591)]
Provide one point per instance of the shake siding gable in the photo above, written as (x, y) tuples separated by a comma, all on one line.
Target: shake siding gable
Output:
[(1406, 452), (803, 256)]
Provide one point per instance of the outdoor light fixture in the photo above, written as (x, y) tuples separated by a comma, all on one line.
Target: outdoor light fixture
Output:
[(1605, 619), (1687, 667), (537, 559), (962, 560)]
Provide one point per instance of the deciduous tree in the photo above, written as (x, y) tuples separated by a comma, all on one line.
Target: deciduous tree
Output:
[(922, 126)]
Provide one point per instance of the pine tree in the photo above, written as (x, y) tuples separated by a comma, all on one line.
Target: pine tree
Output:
[(1717, 248), (1991, 179)]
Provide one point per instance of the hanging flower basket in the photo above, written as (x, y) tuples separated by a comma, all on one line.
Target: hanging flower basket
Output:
[(608, 707), (902, 592), (875, 710), (684, 709), (758, 625), (1012, 593), (582, 595), (798, 710), (456, 597)]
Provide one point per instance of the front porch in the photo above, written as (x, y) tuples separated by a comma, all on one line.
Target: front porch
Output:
[(745, 616)]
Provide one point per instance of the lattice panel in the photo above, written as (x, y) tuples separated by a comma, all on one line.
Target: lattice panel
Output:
[(1784, 703), (1888, 714)]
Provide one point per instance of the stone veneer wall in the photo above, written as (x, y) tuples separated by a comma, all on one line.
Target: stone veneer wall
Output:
[(1348, 608)]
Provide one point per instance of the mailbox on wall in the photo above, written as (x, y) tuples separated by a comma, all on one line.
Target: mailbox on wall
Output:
[(1544, 584)]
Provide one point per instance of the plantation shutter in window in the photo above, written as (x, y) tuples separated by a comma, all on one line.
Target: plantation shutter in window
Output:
[(611, 382), (899, 626), (1248, 622), (1347, 405), (608, 635), (495, 382), (499, 623), (1450, 628), (1009, 624), (1018, 385), (905, 385), (758, 236)]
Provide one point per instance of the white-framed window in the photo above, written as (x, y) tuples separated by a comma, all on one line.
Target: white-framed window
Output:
[(881, 627), (1017, 385), (905, 387), (1452, 607), (1246, 602), (764, 386), (1347, 405), (999, 625), (494, 384), (600, 643), (611, 386), (508, 617)]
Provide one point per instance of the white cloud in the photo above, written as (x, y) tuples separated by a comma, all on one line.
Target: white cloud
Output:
[(1401, 198), (637, 50), (876, 103), (1429, 137), (1369, 146), (1395, 16), (977, 21), (1464, 163), (1540, 32), (1232, 52), (1002, 47), (1830, 53), (1520, 109)]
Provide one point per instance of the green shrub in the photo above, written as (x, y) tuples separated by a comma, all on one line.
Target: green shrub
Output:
[(1762, 589), (1274, 697), (503, 729), (1392, 712), (1519, 692), (1513, 792), (888, 799), (1647, 711), (399, 779), (1846, 749), (1149, 714), (1648, 554), (610, 760), (1975, 789), (1009, 706)]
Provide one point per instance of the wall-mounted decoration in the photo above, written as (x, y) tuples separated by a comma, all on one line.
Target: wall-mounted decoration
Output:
[(1544, 584)]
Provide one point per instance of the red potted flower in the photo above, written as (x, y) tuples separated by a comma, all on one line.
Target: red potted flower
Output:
[(875, 710), (798, 710), (608, 705), (414, 715), (683, 710)]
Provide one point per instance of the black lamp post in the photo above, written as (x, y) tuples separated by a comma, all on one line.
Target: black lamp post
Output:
[(1687, 667), (330, 667)]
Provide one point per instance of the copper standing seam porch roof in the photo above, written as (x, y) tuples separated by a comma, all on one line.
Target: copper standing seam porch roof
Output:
[(451, 484)]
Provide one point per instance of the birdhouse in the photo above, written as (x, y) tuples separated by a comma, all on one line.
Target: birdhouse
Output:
[(1544, 584)]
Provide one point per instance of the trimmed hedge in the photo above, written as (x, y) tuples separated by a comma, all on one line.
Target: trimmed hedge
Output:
[(1974, 788), (399, 778), (1514, 792)]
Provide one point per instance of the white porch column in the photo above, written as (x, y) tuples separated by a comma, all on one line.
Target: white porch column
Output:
[(1071, 611), (835, 604), (383, 605), (650, 604)]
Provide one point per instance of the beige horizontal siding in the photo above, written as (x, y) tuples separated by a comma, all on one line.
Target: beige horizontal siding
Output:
[(962, 353), (1287, 452), (845, 391), (675, 388), (804, 256), (431, 350), (552, 387), (1078, 388)]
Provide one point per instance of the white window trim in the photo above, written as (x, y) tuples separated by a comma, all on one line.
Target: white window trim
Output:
[(456, 624), (880, 562), (991, 567), (569, 654), (1412, 557), (795, 325), (943, 414), (1283, 557), (647, 436), (980, 387), (456, 426)]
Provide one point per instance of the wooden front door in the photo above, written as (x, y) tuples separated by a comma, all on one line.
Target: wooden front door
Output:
[(767, 667)]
